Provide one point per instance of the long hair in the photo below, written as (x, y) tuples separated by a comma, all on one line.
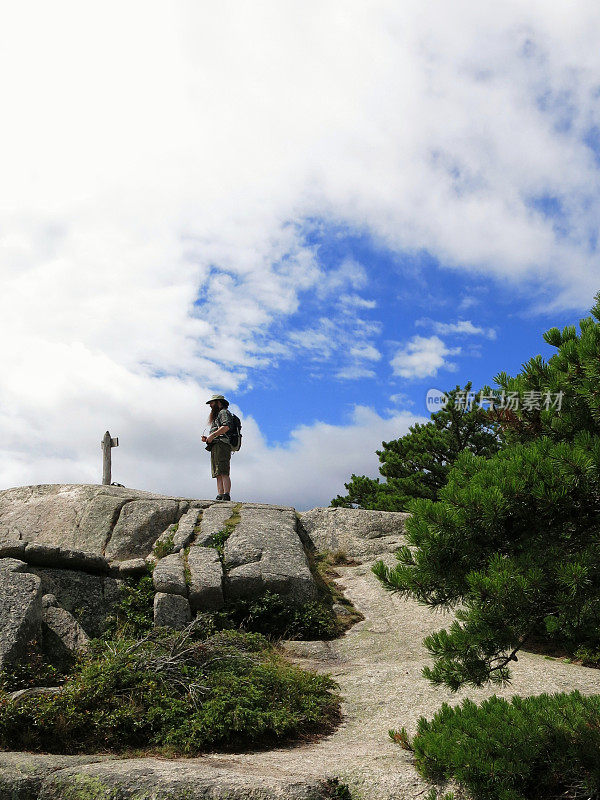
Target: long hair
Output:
[(214, 410)]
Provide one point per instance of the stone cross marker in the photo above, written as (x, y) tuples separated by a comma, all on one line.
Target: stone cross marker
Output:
[(106, 445)]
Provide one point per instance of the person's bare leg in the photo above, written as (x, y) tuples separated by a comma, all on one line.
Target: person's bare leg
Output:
[(226, 481), (220, 484)]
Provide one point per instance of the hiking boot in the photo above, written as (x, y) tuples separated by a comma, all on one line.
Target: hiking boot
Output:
[(225, 497), (220, 497)]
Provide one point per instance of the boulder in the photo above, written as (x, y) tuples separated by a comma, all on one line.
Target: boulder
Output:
[(63, 515), (46, 555), (62, 636), (169, 575), (89, 598), (140, 523), (134, 566), (185, 529), (191, 779), (100, 516), (20, 613), (87, 562), (23, 774), (264, 553), (49, 513), (34, 691), (12, 548), (84, 517), (357, 532), (212, 521), (206, 579), (171, 611)]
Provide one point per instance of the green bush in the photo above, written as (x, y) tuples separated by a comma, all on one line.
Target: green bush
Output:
[(164, 547), (323, 567), (134, 612), (589, 656), (512, 547), (218, 539), (33, 670), (547, 746), (172, 693), (278, 618)]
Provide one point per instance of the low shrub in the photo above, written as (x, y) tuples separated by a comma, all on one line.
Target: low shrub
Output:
[(269, 614), (133, 614), (218, 539), (323, 568), (334, 790), (589, 656), (174, 694), (278, 618), (32, 670), (164, 546), (531, 748)]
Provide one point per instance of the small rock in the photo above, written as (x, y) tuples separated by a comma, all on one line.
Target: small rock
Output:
[(171, 611), (134, 566), (49, 601), (12, 548), (169, 575), (44, 555), (343, 611), (206, 579), (64, 626), (185, 529), (34, 691)]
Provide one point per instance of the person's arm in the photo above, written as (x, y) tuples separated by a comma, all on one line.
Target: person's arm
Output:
[(219, 432)]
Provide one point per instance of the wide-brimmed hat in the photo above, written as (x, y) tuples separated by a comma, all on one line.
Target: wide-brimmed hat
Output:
[(217, 397)]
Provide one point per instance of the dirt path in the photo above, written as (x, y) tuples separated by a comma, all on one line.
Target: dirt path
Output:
[(378, 667)]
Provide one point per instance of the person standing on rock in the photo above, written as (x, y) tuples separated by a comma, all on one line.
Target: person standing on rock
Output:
[(218, 443)]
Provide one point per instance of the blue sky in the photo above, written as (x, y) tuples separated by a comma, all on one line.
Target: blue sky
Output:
[(412, 295), (321, 210)]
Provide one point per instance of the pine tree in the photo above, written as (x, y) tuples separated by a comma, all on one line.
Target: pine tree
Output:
[(512, 546), (417, 464), (573, 372)]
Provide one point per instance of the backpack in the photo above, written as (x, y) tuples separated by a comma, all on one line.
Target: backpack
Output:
[(235, 433)]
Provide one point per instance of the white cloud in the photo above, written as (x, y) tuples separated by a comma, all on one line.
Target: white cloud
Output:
[(366, 351), (350, 274), (422, 357), (468, 301), (461, 327), (354, 372), (345, 337), (319, 459), (355, 301), (401, 399)]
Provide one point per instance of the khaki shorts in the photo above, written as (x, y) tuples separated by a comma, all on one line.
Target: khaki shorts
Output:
[(220, 457)]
